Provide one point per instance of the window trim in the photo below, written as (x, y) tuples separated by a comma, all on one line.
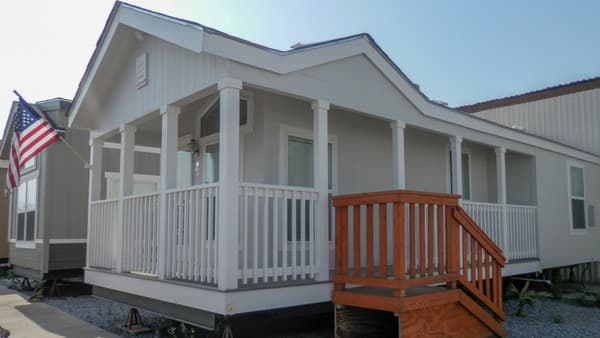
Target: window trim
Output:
[(285, 131), (570, 198), (25, 170), (30, 175), (246, 128)]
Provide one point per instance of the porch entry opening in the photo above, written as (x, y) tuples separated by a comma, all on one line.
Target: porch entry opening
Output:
[(300, 173), (209, 136), (466, 184)]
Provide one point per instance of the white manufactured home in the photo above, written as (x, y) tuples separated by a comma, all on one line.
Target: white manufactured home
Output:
[(231, 212)]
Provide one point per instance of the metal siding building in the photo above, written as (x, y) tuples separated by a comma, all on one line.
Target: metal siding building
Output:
[(569, 114)]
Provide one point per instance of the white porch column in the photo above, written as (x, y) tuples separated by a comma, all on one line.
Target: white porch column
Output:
[(125, 185), (229, 150), (95, 185), (398, 154), (168, 177), (456, 153), (501, 191), (321, 182)]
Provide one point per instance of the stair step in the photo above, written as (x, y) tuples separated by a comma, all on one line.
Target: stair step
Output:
[(423, 305)]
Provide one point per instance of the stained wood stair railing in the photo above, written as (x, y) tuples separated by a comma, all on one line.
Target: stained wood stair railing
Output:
[(398, 240)]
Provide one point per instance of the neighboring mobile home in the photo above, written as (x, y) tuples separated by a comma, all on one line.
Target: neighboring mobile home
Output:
[(569, 114), (47, 212), (235, 216), (3, 215)]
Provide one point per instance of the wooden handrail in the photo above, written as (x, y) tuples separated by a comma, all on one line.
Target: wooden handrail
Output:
[(479, 235), (442, 242), (406, 196)]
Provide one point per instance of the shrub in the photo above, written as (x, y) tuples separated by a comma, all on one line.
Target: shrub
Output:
[(524, 297), (557, 319)]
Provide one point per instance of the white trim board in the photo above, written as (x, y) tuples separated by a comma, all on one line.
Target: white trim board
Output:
[(141, 149), (209, 299), (67, 240), (512, 269)]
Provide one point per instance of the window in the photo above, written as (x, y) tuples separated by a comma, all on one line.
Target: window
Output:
[(466, 182), (26, 210), (300, 173), (209, 123), (576, 197), (300, 169)]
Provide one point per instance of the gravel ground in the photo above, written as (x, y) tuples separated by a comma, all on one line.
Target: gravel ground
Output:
[(105, 314), (577, 320)]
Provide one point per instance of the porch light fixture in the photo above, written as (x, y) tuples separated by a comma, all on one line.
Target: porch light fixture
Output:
[(193, 147)]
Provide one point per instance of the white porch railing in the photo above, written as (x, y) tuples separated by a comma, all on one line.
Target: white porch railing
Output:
[(489, 218), (277, 233), (520, 228), (140, 231), (192, 233), (522, 231), (103, 224)]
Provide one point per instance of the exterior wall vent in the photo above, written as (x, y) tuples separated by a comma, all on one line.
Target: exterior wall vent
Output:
[(141, 70)]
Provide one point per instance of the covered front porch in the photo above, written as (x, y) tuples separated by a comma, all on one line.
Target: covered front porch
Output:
[(230, 189)]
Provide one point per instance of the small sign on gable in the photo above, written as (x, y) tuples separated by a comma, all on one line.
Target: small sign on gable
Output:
[(141, 70)]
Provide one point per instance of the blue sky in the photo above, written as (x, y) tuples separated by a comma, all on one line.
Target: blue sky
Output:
[(457, 51)]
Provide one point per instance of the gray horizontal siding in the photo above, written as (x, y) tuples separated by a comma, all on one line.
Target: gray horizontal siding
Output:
[(26, 258)]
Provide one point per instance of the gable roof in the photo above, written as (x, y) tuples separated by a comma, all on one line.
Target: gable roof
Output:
[(199, 38), (545, 93), (43, 106)]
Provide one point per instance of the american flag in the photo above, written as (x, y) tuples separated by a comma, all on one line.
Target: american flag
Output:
[(32, 134)]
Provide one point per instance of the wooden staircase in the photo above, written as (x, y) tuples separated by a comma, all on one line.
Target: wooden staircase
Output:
[(420, 256)]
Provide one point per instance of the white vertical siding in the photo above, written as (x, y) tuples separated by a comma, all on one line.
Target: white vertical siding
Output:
[(173, 73), (572, 119)]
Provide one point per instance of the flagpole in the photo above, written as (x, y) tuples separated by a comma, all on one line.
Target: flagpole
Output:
[(75, 152)]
